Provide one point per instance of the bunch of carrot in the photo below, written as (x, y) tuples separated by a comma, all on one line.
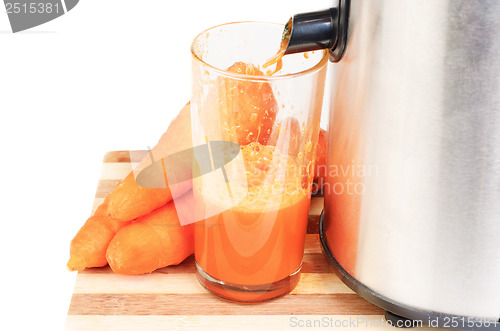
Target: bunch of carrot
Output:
[(136, 229)]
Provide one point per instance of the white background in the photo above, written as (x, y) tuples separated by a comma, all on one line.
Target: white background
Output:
[(109, 75)]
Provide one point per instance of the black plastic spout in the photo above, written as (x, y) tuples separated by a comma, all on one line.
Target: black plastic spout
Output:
[(324, 29)]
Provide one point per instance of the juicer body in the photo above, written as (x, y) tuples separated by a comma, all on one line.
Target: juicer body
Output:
[(412, 196)]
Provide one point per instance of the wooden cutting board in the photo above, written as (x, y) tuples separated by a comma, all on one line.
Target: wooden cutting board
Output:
[(171, 298)]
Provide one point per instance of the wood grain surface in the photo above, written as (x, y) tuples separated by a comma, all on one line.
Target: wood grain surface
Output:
[(172, 299)]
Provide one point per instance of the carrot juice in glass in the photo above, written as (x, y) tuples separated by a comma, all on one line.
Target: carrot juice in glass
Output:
[(249, 242)]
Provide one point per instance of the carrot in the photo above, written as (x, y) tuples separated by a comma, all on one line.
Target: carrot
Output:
[(286, 137), (151, 242), (101, 210), (88, 247), (320, 170), (128, 200), (247, 107)]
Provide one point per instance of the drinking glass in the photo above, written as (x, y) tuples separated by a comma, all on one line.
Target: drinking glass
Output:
[(249, 241)]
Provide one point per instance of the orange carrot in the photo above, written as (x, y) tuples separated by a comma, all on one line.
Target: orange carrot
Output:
[(101, 210), (247, 107), (88, 247), (320, 170), (128, 200), (151, 242)]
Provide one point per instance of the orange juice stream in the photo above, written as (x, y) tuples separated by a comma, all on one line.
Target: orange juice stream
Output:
[(276, 59)]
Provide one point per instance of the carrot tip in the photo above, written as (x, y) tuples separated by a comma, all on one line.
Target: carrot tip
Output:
[(75, 264)]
